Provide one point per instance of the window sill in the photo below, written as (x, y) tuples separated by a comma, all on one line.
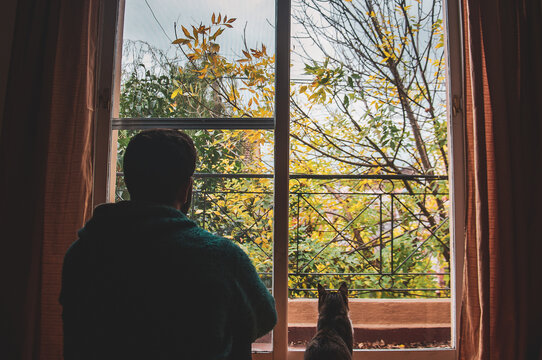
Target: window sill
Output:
[(395, 320)]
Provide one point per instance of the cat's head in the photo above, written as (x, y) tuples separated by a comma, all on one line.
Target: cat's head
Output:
[(333, 301)]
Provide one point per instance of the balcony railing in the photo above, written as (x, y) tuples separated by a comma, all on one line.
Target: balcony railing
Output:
[(386, 236)]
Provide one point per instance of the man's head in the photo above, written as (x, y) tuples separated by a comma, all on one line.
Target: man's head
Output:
[(158, 167)]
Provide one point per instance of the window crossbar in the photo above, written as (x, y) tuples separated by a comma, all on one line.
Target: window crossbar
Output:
[(244, 123)]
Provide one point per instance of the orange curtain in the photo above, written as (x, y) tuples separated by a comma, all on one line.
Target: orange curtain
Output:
[(501, 312), (45, 167)]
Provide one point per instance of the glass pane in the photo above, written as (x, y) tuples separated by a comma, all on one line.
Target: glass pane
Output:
[(233, 193), (200, 59), (369, 190)]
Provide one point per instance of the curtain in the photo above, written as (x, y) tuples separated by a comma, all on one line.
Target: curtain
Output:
[(501, 314), (45, 167)]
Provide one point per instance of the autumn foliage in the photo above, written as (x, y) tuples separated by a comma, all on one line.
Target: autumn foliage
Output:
[(370, 109)]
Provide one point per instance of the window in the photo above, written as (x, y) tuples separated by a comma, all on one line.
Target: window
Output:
[(323, 127)]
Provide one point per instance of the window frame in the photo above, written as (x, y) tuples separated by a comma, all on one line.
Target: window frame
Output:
[(107, 121)]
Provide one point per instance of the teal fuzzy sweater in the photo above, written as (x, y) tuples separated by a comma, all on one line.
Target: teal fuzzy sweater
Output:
[(145, 282)]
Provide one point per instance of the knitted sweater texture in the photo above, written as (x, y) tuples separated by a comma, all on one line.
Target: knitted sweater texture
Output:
[(145, 282)]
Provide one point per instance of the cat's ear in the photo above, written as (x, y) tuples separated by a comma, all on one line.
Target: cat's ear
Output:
[(343, 290), (321, 291)]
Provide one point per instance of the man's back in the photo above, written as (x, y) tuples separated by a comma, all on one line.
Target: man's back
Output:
[(143, 281)]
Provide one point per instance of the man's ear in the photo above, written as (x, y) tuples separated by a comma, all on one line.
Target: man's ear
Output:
[(185, 196), (188, 194), (343, 290)]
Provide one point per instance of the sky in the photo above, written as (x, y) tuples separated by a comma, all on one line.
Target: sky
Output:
[(153, 21)]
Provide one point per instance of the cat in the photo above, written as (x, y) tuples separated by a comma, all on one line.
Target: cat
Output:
[(334, 337)]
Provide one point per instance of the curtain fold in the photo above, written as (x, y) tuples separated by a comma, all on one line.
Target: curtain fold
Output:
[(45, 165), (501, 316)]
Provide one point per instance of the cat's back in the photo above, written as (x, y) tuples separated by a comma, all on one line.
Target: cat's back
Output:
[(327, 345)]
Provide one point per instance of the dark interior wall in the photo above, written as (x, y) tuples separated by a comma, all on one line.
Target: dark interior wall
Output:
[(7, 23)]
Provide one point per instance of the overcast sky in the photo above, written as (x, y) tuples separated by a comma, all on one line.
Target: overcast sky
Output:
[(141, 24)]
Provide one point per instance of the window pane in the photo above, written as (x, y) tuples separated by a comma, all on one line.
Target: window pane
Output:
[(201, 59), (369, 194), (233, 193)]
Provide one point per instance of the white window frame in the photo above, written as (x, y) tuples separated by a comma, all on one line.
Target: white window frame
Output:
[(108, 77)]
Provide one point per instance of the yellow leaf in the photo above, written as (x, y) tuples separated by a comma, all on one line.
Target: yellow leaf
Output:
[(218, 32), (181, 41), (195, 32), (176, 92), (186, 33), (247, 54), (215, 47)]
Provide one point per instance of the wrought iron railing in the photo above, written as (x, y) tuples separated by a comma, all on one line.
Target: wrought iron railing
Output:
[(386, 236)]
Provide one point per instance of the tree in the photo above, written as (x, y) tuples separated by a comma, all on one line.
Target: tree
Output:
[(152, 86), (381, 80), (371, 106), (387, 57)]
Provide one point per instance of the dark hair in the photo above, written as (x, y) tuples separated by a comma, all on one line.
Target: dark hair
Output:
[(157, 163)]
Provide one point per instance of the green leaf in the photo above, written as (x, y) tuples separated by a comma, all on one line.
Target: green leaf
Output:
[(346, 101)]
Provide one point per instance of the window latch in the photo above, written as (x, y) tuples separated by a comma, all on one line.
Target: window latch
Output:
[(104, 99), (456, 105)]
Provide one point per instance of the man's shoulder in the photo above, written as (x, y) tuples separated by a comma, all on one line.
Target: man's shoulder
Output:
[(201, 238), (74, 251)]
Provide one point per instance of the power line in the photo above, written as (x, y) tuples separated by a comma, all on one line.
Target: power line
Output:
[(158, 22)]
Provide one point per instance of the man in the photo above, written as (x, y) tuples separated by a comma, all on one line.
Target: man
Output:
[(145, 282)]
